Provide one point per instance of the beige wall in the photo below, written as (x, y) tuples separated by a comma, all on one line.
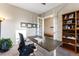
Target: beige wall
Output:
[(57, 12), (48, 23), (13, 17)]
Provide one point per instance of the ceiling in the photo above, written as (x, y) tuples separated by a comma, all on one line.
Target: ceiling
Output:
[(37, 8)]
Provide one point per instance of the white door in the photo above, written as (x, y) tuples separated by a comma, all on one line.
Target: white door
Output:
[(40, 26)]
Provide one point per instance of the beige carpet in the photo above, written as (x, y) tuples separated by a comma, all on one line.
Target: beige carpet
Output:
[(12, 52)]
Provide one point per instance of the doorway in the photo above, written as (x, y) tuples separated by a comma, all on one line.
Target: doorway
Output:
[(48, 27)]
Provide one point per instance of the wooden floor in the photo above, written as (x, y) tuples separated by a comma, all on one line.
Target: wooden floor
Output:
[(59, 52), (64, 52)]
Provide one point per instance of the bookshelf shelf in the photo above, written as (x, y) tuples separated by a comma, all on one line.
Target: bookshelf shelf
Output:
[(68, 38), (69, 43), (68, 33), (69, 24), (68, 29), (69, 19)]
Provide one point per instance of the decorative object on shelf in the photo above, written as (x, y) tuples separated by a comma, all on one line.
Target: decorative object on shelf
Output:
[(77, 21), (72, 26), (65, 17), (68, 27), (65, 22), (69, 22), (71, 16), (65, 27), (71, 37), (5, 44)]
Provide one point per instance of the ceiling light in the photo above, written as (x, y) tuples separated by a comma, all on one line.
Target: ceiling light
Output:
[(43, 3)]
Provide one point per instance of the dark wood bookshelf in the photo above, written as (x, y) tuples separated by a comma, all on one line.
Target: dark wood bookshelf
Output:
[(70, 28)]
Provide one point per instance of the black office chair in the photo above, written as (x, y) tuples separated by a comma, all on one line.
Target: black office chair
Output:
[(25, 50)]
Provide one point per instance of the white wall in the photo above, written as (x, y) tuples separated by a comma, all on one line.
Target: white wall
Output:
[(57, 12), (57, 24), (13, 17)]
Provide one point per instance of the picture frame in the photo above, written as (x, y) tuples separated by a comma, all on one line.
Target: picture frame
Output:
[(23, 24), (34, 25), (29, 25)]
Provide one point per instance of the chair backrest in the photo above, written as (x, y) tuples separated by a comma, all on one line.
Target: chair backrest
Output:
[(22, 42), (25, 50)]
